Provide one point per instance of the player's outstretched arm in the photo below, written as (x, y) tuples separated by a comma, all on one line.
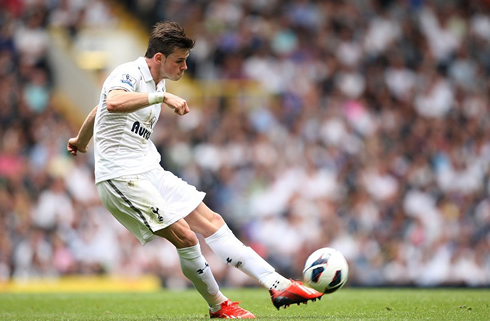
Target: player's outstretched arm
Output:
[(121, 101), (80, 143)]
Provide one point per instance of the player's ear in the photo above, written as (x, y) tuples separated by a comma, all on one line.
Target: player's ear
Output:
[(159, 57)]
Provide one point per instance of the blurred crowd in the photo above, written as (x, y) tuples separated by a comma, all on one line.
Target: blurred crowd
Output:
[(375, 141)]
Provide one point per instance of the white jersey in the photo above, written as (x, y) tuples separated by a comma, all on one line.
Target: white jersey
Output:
[(122, 144)]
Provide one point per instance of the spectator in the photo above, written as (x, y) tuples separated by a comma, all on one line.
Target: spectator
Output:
[(372, 138)]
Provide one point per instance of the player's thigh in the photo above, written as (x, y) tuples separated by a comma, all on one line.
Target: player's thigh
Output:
[(135, 202), (180, 195), (186, 200)]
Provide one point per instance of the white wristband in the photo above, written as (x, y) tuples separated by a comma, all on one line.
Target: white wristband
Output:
[(155, 98)]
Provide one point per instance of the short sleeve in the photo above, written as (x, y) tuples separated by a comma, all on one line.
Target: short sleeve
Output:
[(125, 78)]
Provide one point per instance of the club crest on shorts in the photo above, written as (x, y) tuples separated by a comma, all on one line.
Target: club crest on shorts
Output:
[(155, 210)]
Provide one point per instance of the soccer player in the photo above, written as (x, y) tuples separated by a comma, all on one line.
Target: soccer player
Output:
[(150, 201)]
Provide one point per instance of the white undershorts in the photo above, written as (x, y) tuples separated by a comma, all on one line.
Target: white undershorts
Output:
[(148, 202)]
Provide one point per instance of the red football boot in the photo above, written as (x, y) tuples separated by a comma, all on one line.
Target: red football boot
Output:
[(295, 293), (231, 310)]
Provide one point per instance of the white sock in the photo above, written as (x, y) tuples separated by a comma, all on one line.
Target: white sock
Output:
[(231, 250), (197, 270)]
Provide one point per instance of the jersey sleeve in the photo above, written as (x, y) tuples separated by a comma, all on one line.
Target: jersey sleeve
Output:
[(125, 77)]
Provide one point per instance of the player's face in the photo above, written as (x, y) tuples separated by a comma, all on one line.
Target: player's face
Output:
[(174, 65)]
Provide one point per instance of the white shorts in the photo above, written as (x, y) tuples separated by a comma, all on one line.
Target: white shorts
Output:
[(147, 202)]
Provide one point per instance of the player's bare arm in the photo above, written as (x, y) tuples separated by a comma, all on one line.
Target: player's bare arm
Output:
[(121, 101), (80, 142)]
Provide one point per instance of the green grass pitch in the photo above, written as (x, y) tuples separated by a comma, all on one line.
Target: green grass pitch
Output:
[(346, 304)]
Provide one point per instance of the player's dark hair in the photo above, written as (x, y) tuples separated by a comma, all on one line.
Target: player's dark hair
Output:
[(167, 36)]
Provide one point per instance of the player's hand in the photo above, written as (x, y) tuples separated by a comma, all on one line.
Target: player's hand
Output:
[(178, 104), (73, 146)]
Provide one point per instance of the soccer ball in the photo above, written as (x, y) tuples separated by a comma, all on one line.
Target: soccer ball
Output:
[(326, 270)]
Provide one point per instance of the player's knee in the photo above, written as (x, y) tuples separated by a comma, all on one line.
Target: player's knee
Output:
[(217, 220), (179, 235), (187, 239)]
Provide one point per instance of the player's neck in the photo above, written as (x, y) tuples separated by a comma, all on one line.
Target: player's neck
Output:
[(154, 70)]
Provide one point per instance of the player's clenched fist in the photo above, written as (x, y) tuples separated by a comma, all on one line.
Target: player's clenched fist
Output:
[(73, 146), (179, 105)]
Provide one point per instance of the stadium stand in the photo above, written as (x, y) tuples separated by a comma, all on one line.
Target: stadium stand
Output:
[(365, 127)]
